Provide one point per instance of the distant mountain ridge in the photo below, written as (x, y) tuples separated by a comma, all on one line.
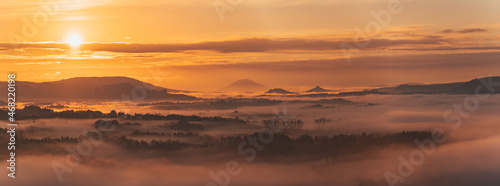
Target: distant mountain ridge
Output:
[(244, 85), (479, 85), (483, 85), (115, 88), (100, 81), (94, 88)]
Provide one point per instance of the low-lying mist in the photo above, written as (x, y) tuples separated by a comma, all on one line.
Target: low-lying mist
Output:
[(469, 156)]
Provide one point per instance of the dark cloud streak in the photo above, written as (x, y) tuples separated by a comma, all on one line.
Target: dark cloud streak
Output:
[(231, 46), (464, 31), (451, 48)]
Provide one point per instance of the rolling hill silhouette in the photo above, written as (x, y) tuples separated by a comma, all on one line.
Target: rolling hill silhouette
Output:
[(94, 88), (481, 85), (244, 85), (318, 89), (485, 85), (278, 91)]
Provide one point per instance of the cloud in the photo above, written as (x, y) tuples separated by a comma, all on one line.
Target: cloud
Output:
[(447, 31), (452, 48), (464, 31), (230, 46), (39, 63), (471, 30)]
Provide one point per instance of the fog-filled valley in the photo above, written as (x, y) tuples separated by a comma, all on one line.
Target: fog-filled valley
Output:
[(353, 140)]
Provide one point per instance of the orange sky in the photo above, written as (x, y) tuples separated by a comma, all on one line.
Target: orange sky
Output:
[(290, 44)]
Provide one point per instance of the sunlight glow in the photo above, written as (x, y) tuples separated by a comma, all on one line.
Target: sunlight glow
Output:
[(74, 40)]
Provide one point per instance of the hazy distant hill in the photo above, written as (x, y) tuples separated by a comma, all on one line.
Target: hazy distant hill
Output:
[(448, 88), (278, 91), (244, 85), (470, 87), (431, 88), (318, 89), (107, 88), (474, 85), (100, 81)]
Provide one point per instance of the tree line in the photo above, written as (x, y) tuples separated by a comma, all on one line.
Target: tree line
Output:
[(35, 112)]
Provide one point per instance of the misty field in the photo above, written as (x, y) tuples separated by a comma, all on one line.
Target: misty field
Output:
[(361, 140)]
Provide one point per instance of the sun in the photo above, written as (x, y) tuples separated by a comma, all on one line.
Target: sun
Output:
[(74, 40)]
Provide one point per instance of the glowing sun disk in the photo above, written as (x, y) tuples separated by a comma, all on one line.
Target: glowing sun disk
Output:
[(75, 40)]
